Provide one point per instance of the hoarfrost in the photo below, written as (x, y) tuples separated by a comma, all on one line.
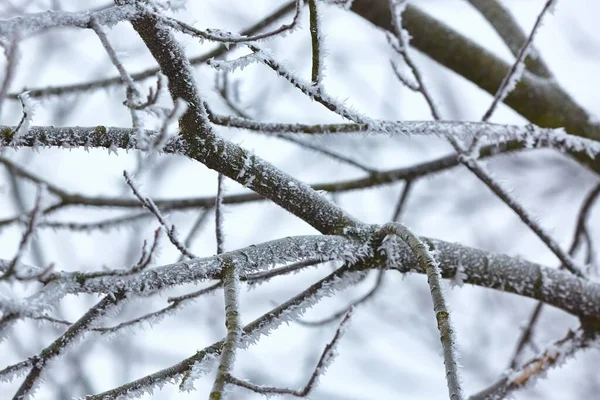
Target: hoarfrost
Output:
[(31, 23), (233, 65)]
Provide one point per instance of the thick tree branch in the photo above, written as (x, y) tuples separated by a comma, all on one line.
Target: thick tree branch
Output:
[(543, 102), (225, 157)]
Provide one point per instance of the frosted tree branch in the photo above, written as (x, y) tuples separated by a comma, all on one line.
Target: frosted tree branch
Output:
[(234, 329), (471, 162), (316, 42), (554, 356), (149, 73), (429, 264), (222, 36), (195, 366), (511, 33), (324, 361), (75, 331), (516, 71), (29, 24), (149, 204)]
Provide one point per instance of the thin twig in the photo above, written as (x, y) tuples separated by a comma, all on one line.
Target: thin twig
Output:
[(151, 206), (516, 71), (221, 36), (511, 33), (219, 214), (555, 355), (325, 360), (196, 228), (402, 200), (59, 346), (527, 332), (337, 315), (30, 228)]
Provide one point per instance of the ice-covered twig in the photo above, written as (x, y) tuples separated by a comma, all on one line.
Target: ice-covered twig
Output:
[(125, 78), (105, 83), (511, 33), (124, 138), (527, 332), (427, 261), (31, 23), (221, 36), (516, 71), (401, 46), (133, 94), (59, 346), (499, 191), (337, 315), (201, 362), (327, 357), (249, 259), (21, 130), (12, 270), (312, 92), (177, 303), (149, 204), (219, 214), (555, 355), (530, 134), (470, 161), (231, 282)]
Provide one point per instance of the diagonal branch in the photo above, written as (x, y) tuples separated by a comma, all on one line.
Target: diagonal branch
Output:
[(225, 157)]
